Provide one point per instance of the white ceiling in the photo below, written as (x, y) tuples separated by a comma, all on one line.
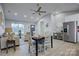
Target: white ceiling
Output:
[(24, 9)]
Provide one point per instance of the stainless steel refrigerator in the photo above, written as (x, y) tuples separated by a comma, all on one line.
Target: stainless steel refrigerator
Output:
[(69, 31)]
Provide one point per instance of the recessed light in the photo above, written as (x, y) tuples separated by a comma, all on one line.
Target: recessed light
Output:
[(25, 16), (15, 14)]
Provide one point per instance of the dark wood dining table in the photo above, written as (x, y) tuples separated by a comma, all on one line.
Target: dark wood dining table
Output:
[(36, 39), (41, 38)]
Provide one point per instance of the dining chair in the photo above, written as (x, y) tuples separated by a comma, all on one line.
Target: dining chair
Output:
[(10, 41), (28, 38), (47, 42)]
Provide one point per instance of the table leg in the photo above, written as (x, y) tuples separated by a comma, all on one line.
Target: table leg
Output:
[(51, 42), (36, 47), (29, 48)]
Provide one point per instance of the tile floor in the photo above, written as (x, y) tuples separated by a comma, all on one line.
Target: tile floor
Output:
[(60, 48)]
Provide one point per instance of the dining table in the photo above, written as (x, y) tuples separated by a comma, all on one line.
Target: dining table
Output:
[(36, 39), (41, 38)]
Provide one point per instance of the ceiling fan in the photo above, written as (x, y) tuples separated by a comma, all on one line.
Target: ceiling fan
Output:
[(38, 11)]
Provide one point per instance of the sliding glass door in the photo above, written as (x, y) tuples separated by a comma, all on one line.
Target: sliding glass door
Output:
[(18, 28)]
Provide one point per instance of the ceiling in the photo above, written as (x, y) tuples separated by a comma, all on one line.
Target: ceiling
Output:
[(22, 12)]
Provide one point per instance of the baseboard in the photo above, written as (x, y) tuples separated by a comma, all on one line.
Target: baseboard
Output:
[(70, 42), (9, 47)]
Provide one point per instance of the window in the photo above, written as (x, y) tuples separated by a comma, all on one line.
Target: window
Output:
[(17, 27)]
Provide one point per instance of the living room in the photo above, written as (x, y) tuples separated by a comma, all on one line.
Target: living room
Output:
[(22, 23)]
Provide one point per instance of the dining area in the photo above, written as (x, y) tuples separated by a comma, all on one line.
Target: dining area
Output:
[(41, 40), (16, 36), (38, 43), (7, 41)]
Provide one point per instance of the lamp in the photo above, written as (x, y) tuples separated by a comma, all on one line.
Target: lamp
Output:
[(8, 30)]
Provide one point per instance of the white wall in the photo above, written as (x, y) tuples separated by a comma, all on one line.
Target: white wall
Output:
[(56, 22), (2, 26), (26, 24), (59, 19), (66, 17), (48, 19)]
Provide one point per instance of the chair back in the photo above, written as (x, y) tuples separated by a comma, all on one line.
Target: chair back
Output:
[(28, 37), (11, 36)]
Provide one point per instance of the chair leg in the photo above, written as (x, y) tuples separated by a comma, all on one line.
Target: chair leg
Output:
[(14, 46), (6, 47), (43, 46), (29, 48)]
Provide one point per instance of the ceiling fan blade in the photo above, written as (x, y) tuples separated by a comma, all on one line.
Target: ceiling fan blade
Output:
[(42, 11), (39, 9)]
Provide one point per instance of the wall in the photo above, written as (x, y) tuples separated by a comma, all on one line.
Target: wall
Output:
[(2, 23), (26, 25), (59, 19), (56, 21), (66, 17), (47, 27)]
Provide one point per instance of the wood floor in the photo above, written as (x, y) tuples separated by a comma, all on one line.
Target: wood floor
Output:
[(60, 48)]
